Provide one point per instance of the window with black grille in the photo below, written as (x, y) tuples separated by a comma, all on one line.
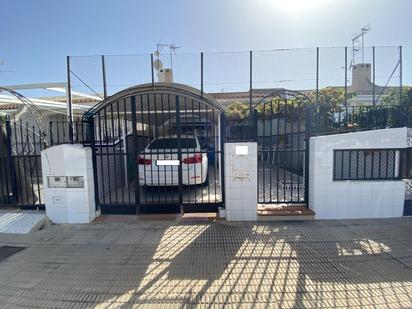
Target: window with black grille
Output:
[(366, 164)]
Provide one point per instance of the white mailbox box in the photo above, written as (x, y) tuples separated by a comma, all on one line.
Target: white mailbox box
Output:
[(75, 182), (241, 181), (69, 187), (56, 182)]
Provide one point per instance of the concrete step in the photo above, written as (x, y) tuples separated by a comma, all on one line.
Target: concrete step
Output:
[(22, 221), (284, 212)]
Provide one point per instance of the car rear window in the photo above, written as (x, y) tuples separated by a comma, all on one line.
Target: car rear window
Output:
[(171, 143)]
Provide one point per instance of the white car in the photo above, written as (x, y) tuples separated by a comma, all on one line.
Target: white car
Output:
[(159, 164)]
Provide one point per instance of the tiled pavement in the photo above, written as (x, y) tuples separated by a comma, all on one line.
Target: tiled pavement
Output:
[(318, 264)]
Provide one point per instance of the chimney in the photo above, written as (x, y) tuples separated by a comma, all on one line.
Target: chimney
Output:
[(362, 77), (165, 75)]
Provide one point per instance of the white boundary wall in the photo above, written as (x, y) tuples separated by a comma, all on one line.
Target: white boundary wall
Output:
[(353, 199)]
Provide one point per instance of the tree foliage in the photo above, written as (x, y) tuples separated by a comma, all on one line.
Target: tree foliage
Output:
[(237, 112), (3, 118), (329, 99), (392, 98)]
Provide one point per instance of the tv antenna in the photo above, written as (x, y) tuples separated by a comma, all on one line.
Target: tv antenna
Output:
[(355, 38), (172, 51)]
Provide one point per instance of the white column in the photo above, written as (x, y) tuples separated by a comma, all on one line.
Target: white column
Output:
[(241, 181), (68, 184)]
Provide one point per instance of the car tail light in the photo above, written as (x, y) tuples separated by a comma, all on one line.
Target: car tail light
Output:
[(197, 158), (144, 161)]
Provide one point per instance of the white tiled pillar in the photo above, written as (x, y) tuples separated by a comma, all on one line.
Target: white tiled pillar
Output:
[(241, 181), (67, 201)]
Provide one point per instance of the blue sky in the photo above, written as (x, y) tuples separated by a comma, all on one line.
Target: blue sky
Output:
[(37, 35)]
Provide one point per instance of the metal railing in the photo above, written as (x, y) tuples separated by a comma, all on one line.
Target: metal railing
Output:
[(59, 133), (360, 118)]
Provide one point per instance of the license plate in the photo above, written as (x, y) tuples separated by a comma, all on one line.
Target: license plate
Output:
[(167, 162)]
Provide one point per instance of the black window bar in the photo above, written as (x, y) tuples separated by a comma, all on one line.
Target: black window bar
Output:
[(368, 164)]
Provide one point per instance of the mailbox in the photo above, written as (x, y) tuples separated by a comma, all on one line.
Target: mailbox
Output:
[(75, 182), (241, 164), (56, 181)]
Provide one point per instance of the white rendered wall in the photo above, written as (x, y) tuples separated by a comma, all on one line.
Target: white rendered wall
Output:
[(349, 199), (69, 205), (240, 182)]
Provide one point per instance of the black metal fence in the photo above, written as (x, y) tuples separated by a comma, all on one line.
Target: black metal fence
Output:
[(59, 133), (21, 143), (342, 119), (332, 120), (21, 180)]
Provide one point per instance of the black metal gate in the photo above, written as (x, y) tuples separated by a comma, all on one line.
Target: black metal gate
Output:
[(280, 124), (157, 149), (21, 183), (282, 148)]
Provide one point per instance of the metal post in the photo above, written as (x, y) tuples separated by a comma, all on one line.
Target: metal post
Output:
[(222, 123), (104, 77), (317, 88), (346, 90), (90, 124), (346, 76), (201, 74), (401, 115), (135, 169), (353, 52), (317, 74), (69, 101), (308, 134), (373, 86), (363, 48), (179, 153), (400, 75), (152, 69), (11, 162), (373, 77), (51, 132), (250, 85)]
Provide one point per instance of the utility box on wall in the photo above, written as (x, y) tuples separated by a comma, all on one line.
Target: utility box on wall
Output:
[(241, 181), (68, 184)]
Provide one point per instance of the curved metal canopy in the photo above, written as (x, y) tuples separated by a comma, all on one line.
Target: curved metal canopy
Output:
[(158, 88), (285, 94)]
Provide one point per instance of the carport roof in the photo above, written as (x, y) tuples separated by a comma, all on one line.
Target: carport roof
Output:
[(169, 88)]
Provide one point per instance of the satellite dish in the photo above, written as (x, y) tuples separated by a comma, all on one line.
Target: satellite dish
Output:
[(157, 64)]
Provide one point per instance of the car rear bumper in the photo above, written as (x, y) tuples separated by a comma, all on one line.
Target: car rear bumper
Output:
[(171, 178)]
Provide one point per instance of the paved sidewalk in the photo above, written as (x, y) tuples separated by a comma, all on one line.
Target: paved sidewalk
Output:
[(319, 264)]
